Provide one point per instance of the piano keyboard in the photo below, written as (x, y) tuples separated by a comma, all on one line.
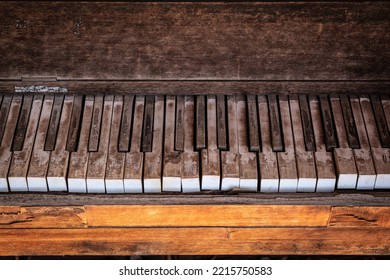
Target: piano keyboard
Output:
[(135, 144)]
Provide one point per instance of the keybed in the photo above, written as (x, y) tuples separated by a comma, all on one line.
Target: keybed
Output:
[(135, 144)]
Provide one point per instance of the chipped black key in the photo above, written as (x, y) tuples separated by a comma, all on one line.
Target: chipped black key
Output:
[(200, 123), (4, 110), (253, 124), (21, 127), (221, 123), (275, 124), (75, 124), (307, 126), (380, 120), (126, 122), (51, 135), (349, 121), (147, 132), (328, 124), (179, 124)]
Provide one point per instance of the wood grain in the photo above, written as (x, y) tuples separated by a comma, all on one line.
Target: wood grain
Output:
[(211, 41)]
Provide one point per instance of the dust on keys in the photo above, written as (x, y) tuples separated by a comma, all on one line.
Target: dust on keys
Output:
[(135, 144)]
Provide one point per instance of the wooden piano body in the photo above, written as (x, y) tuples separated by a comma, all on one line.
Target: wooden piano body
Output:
[(281, 48)]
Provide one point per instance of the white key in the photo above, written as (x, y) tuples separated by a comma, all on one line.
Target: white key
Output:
[(307, 176), (59, 158), (17, 176), (286, 160), (97, 161), (134, 158), (39, 163), (268, 165), (78, 162), (116, 160), (230, 160), (210, 157), (172, 168), (6, 143), (190, 176)]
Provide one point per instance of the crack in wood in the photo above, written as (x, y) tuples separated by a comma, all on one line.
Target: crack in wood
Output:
[(22, 216)]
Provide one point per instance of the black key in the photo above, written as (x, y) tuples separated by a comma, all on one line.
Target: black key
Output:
[(200, 123), (52, 130), (75, 124), (179, 124), (4, 110), (253, 124), (275, 124), (308, 132), (94, 135), (328, 124), (349, 121), (222, 140), (126, 122), (380, 120), (147, 132), (21, 127)]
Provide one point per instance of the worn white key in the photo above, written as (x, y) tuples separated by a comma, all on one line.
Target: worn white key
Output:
[(344, 158), (363, 157), (286, 160), (116, 160), (39, 163), (248, 160), (210, 159), (97, 161), (230, 160), (172, 165), (380, 156), (326, 177), (307, 176), (135, 158), (6, 143), (268, 165), (59, 158), (78, 162), (153, 159), (190, 159), (17, 176)]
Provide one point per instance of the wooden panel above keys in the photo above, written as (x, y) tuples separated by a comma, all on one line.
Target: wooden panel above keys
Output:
[(213, 41)]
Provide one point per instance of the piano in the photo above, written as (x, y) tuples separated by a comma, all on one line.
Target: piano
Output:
[(253, 128)]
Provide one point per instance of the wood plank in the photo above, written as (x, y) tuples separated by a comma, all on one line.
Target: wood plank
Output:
[(200, 124), (207, 215), (94, 136), (190, 176), (363, 216), (75, 124), (268, 165), (307, 175), (222, 133), (78, 162), (343, 156), (326, 177), (147, 133), (350, 126), (6, 144), (210, 157), (51, 137), (247, 160), (205, 241), (4, 110), (172, 165), (17, 174), (381, 156), (59, 157), (153, 160), (286, 160), (97, 161), (43, 217), (230, 160), (125, 124), (306, 123), (135, 158), (115, 166), (282, 41), (363, 156), (275, 123), (179, 124), (39, 162), (20, 132)]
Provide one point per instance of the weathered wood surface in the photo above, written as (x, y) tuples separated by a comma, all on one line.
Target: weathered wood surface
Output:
[(195, 41)]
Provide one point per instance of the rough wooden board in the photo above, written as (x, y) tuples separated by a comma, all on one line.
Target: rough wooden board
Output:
[(359, 216), (206, 215), (220, 41), (43, 217), (204, 241)]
